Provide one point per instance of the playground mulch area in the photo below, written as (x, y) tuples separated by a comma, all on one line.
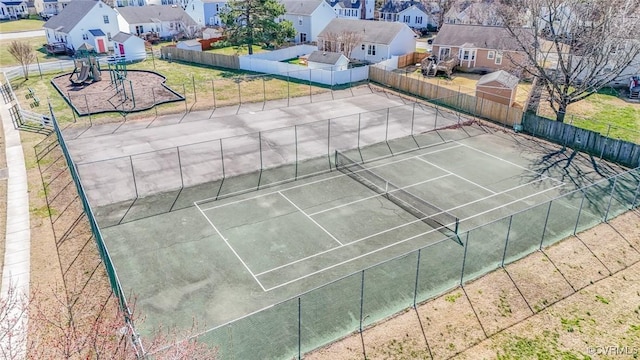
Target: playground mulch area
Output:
[(140, 90)]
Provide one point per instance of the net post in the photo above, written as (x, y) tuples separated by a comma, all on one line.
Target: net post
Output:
[(213, 90), (435, 121), (260, 149), (222, 159), (133, 173), (329, 142), (413, 115), (506, 241), (299, 329), (361, 299), (193, 82), (386, 131), (180, 167), (635, 197), (546, 220)]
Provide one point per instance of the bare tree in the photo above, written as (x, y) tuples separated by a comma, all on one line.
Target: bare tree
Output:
[(578, 46), (24, 54), (13, 321), (343, 42)]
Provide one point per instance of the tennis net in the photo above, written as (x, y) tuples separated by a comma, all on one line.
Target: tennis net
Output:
[(428, 213)]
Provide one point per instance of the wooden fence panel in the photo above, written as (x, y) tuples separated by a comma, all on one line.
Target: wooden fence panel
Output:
[(199, 57)]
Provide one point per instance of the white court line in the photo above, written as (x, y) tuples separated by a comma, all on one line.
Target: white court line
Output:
[(458, 176), (378, 195), (509, 162), (325, 179), (230, 247), (400, 226), (349, 260), (310, 218)]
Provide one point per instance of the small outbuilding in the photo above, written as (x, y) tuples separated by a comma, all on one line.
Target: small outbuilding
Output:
[(129, 47), (498, 86), (328, 61), (193, 45)]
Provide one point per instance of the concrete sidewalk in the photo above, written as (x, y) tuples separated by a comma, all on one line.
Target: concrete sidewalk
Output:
[(15, 274)]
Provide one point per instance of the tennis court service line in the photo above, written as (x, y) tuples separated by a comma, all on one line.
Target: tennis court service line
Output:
[(378, 195), (458, 176), (310, 218), (509, 162), (321, 180), (230, 247)]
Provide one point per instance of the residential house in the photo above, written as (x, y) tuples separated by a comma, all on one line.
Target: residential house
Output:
[(473, 13), (309, 17), (82, 21), (327, 60), (498, 86), (165, 20), (371, 41), (479, 48), (412, 13), (353, 9), (180, 3), (206, 12), (48, 8), (129, 47), (13, 10), (124, 3)]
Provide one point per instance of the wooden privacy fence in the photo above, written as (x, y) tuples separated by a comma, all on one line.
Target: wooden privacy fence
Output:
[(616, 150), (457, 100), (200, 57), (411, 59)]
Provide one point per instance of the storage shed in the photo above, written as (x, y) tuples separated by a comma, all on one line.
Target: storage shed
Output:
[(129, 47), (498, 86), (189, 45), (327, 60)]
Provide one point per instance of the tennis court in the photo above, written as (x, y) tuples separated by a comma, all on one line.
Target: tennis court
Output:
[(220, 260)]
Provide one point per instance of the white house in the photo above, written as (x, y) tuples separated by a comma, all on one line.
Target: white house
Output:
[(309, 17), (180, 3), (124, 3), (353, 9), (412, 13), (327, 60), (81, 21), (13, 10), (165, 20), (129, 47), (206, 12), (48, 8), (374, 41)]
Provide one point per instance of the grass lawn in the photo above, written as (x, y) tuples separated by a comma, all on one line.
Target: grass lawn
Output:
[(20, 25), (237, 50), (36, 42), (296, 61)]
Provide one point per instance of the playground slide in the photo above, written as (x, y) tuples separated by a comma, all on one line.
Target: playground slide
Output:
[(95, 73), (84, 74)]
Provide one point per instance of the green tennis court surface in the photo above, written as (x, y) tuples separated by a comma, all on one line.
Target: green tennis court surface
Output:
[(221, 260)]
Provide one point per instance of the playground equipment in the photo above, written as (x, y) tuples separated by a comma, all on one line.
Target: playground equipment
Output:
[(634, 88), (430, 66), (87, 69), (118, 75)]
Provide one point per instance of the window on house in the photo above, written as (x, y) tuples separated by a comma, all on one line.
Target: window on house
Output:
[(498, 58), (105, 19), (85, 37), (217, 7), (491, 55), (371, 50), (109, 36), (418, 19), (299, 20), (342, 47), (303, 37), (362, 47), (406, 18)]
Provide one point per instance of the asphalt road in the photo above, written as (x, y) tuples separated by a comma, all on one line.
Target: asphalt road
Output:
[(21, 34)]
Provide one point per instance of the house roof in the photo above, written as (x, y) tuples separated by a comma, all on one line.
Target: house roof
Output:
[(12, 3), (301, 7), (155, 13), (325, 57), (96, 32), (122, 37), (398, 6), (478, 36), (346, 4), (500, 76), (212, 32), (191, 42), (70, 16), (48, 1), (376, 32)]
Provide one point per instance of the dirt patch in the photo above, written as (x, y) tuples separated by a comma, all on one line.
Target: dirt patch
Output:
[(602, 315), (142, 90)]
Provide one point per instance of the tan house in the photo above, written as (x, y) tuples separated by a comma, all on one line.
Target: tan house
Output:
[(479, 48), (499, 86)]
